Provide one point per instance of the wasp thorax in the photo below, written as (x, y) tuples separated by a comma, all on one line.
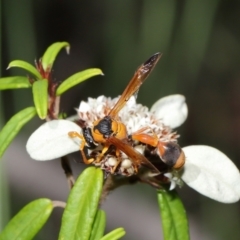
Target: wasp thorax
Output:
[(119, 130), (104, 126), (102, 129)]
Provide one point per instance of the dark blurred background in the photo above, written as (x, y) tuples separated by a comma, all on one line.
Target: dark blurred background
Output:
[(200, 41)]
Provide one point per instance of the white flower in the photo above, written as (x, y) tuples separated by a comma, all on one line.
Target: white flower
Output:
[(51, 140), (175, 180), (171, 109), (206, 169), (211, 173)]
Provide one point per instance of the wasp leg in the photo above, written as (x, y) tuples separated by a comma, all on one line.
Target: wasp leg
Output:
[(68, 171), (145, 138), (104, 152), (115, 167), (118, 161), (135, 166), (81, 147), (101, 155)]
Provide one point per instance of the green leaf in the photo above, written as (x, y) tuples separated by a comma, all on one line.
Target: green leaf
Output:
[(82, 205), (40, 97), (174, 218), (25, 65), (77, 78), (14, 82), (51, 53), (98, 225), (115, 234), (27, 223), (13, 126)]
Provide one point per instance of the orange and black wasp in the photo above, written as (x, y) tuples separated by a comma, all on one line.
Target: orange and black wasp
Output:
[(111, 133)]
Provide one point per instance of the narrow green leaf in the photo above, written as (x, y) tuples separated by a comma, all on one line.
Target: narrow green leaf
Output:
[(98, 225), (115, 234), (82, 205), (28, 221), (77, 78), (51, 53), (14, 82), (25, 65), (174, 218), (13, 126), (40, 97)]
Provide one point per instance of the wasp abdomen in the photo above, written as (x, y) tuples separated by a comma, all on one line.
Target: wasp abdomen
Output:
[(172, 155)]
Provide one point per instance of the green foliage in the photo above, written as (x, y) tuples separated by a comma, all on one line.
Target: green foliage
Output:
[(43, 90), (98, 225), (50, 54), (115, 234), (174, 219), (14, 82), (27, 223), (13, 126), (26, 66), (40, 97), (82, 205), (78, 78), (82, 218)]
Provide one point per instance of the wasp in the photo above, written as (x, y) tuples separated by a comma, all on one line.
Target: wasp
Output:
[(117, 143), (169, 152)]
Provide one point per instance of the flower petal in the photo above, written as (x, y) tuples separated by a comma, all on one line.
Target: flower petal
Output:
[(211, 173), (51, 140), (171, 109), (84, 107)]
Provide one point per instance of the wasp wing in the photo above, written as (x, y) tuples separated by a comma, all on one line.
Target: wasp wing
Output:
[(132, 88), (133, 154)]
